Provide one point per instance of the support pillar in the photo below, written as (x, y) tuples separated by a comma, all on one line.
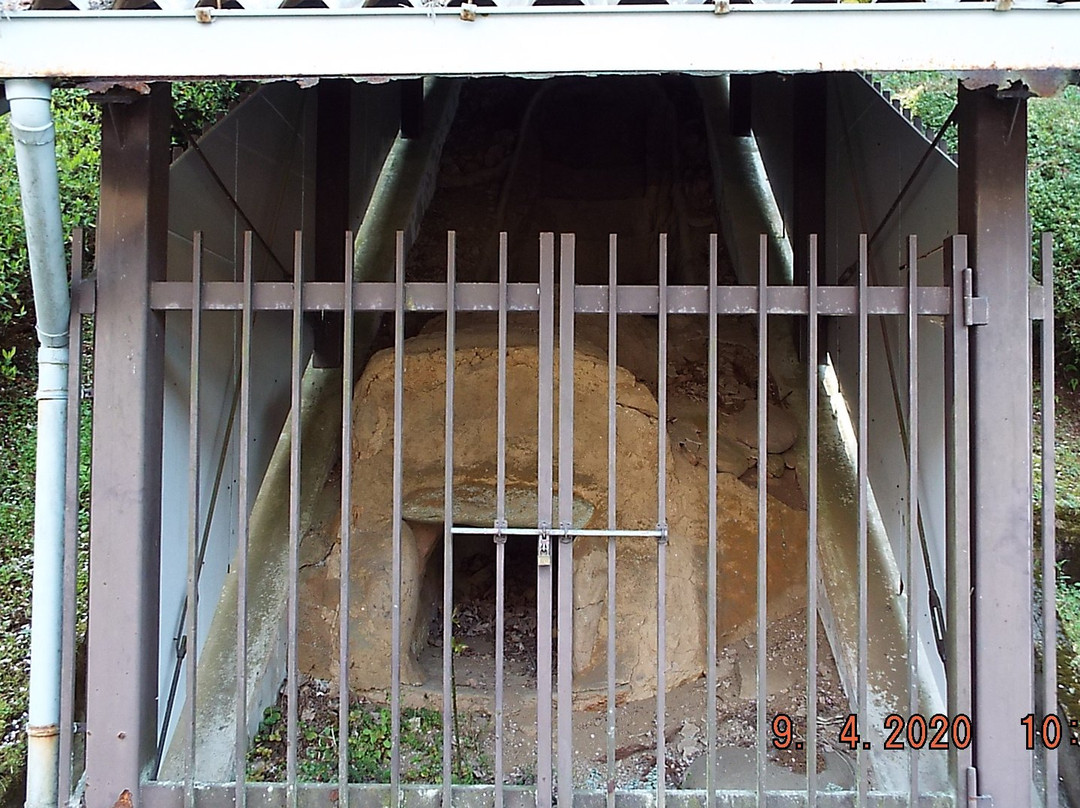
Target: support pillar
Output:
[(993, 212), (125, 502)]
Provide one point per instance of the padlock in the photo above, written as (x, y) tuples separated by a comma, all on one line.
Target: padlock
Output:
[(543, 550)]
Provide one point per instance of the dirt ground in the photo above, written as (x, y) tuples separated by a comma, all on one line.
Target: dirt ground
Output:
[(635, 760), (635, 722)]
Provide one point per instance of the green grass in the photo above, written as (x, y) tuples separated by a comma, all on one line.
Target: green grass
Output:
[(1068, 611), (369, 747), (1067, 521), (17, 446)]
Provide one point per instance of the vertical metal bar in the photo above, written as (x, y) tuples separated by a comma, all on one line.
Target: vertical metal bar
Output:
[(500, 524), (395, 584), (347, 369), (448, 735), (762, 506), (1049, 515), (711, 561), (958, 507), (71, 528), (612, 505), (544, 503), (294, 513), (913, 507), (566, 518), (247, 315), (811, 525), (863, 682), (192, 637), (661, 523)]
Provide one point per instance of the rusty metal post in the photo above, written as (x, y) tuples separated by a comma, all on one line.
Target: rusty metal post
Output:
[(993, 212), (126, 496)]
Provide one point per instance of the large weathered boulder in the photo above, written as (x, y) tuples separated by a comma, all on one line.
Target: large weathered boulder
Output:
[(476, 364)]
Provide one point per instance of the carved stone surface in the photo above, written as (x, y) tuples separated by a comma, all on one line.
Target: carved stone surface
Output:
[(475, 490)]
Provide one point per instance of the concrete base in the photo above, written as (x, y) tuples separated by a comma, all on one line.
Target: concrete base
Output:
[(327, 796)]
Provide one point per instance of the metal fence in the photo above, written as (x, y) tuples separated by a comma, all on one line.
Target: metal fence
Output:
[(552, 307)]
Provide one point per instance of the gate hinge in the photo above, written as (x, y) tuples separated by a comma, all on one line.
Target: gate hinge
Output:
[(976, 309)]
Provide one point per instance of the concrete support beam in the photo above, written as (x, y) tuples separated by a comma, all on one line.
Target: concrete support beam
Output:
[(126, 484), (993, 212)]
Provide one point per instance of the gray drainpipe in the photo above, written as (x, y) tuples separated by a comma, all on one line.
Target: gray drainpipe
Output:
[(35, 154)]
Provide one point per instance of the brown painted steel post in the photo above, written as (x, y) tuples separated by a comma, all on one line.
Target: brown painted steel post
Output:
[(126, 484), (993, 212)]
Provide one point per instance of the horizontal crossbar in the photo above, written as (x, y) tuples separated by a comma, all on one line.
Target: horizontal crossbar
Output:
[(525, 297), (557, 532)]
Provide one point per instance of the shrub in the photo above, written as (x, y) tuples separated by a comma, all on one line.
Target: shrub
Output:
[(78, 161)]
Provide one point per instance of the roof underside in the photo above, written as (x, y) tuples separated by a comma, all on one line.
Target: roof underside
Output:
[(378, 43)]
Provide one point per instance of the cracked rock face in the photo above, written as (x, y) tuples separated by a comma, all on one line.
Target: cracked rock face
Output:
[(476, 368)]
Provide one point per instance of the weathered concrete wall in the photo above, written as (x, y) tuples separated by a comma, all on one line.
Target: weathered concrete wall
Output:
[(871, 151), (263, 152)]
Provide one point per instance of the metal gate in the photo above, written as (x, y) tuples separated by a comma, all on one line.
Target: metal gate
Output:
[(555, 304)]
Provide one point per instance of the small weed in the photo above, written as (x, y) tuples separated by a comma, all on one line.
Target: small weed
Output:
[(1068, 612), (1068, 603), (8, 369), (369, 747)]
